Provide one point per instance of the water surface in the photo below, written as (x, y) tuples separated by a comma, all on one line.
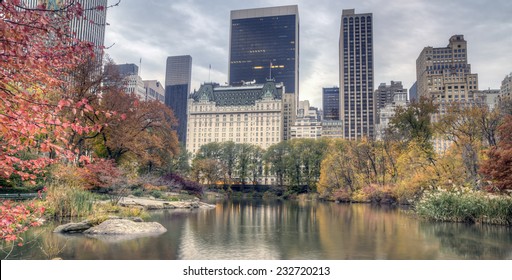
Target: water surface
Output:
[(257, 229)]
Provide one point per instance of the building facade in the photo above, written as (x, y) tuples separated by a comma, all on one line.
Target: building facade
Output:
[(332, 128), (178, 77), (331, 103), (289, 114), (132, 82), (388, 111), (385, 95), (444, 73), (413, 93), (490, 97), (154, 90), (308, 123), (506, 86), (357, 106), (264, 44), (90, 27), (242, 114)]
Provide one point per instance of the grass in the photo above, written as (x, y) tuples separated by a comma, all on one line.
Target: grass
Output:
[(466, 207), (68, 201)]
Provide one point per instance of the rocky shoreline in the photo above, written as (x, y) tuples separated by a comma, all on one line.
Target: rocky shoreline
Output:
[(131, 227), (157, 204)]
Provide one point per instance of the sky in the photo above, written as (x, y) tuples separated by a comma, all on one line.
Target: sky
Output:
[(151, 30)]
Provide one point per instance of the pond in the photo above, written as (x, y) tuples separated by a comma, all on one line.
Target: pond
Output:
[(285, 230)]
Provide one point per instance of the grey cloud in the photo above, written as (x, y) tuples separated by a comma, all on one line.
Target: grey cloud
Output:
[(156, 29)]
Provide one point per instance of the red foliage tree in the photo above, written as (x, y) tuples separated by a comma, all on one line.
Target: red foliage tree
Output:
[(498, 168), (100, 174), (37, 52)]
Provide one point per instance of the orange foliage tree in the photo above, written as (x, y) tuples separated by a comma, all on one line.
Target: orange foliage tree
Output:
[(141, 130), (498, 168)]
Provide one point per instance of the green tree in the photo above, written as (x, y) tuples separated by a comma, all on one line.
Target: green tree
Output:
[(414, 123), (276, 156)]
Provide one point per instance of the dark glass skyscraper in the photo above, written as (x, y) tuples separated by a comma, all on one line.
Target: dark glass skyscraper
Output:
[(357, 109), (264, 43), (178, 76), (331, 103)]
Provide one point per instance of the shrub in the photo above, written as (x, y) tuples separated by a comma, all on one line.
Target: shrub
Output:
[(155, 193), (191, 187), (465, 206), (100, 174), (138, 192)]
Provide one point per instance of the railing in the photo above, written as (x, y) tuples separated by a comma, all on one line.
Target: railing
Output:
[(19, 196)]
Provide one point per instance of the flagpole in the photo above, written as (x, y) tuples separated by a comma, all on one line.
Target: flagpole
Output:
[(270, 71)]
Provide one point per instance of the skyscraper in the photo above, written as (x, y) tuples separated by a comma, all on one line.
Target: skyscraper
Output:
[(331, 103), (444, 73), (264, 43), (357, 108), (178, 76), (90, 27)]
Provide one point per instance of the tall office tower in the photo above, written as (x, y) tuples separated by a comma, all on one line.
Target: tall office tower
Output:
[(90, 27), (413, 92), (178, 77), (264, 43), (444, 73), (331, 103), (357, 107)]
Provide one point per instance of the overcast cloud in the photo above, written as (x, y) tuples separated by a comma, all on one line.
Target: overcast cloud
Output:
[(155, 29)]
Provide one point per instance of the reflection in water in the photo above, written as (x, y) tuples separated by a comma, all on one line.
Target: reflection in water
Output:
[(255, 229)]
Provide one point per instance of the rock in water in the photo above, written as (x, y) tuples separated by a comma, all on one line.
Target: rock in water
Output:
[(126, 227), (73, 227)]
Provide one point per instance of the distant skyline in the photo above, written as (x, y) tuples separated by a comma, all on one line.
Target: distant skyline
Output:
[(155, 29)]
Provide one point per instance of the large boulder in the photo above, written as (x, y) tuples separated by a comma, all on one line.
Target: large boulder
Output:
[(126, 227)]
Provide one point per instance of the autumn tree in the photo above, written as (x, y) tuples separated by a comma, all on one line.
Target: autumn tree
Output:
[(337, 172), (38, 52), (143, 131), (208, 171), (468, 127), (498, 167)]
